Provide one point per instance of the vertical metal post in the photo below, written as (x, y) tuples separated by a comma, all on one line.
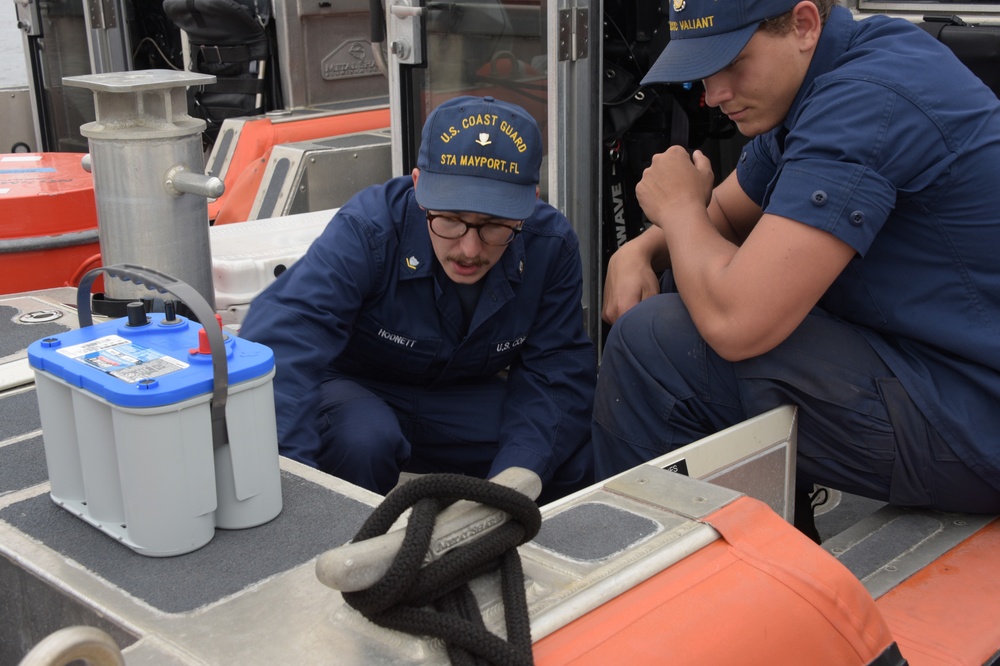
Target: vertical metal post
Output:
[(147, 160), (575, 51)]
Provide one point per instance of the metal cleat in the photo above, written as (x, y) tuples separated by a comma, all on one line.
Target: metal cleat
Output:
[(358, 566)]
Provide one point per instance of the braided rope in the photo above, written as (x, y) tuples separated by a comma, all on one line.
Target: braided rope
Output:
[(435, 600)]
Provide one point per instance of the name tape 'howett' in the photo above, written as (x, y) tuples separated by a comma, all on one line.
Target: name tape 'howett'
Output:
[(395, 337)]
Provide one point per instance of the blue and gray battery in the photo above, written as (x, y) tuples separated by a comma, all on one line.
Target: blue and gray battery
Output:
[(128, 435)]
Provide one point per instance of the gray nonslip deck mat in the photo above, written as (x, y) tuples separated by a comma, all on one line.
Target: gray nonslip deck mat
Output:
[(22, 465), (574, 532), (892, 540), (18, 414), (313, 519), (15, 337)]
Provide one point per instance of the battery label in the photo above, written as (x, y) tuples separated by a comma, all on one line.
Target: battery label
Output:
[(122, 359)]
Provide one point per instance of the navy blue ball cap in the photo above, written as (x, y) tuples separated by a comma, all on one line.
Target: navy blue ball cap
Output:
[(479, 155), (707, 35)]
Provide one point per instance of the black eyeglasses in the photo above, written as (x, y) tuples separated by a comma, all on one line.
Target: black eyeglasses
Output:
[(491, 233)]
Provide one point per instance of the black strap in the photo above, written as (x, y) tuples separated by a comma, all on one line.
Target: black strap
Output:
[(401, 600), (234, 86), (219, 54)]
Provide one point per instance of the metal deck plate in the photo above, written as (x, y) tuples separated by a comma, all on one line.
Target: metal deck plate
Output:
[(892, 544)]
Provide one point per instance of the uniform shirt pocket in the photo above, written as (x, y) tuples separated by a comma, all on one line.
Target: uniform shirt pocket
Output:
[(376, 350)]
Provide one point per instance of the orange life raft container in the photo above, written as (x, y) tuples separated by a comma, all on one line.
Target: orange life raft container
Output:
[(48, 231)]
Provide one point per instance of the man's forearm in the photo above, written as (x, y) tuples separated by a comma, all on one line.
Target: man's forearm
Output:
[(651, 247)]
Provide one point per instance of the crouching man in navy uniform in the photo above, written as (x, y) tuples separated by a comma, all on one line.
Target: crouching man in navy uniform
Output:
[(436, 324), (847, 266)]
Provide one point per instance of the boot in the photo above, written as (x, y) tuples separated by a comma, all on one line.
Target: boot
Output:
[(804, 519)]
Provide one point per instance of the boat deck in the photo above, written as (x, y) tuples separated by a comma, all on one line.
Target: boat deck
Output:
[(252, 596)]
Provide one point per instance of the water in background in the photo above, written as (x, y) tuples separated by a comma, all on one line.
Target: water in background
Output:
[(12, 68)]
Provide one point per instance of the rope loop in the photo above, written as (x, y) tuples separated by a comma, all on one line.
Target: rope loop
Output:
[(434, 599)]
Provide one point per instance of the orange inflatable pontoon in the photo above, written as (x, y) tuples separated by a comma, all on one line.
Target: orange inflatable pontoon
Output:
[(763, 595)]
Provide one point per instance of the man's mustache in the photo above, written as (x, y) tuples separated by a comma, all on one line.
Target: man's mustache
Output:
[(469, 261)]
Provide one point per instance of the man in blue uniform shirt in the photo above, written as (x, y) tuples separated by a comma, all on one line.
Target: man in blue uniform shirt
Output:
[(847, 266), (436, 324)]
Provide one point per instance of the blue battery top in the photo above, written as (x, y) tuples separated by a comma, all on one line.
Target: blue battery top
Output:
[(151, 365)]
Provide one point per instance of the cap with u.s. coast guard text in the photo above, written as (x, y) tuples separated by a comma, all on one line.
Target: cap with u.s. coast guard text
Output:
[(707, 35), (479, 155)]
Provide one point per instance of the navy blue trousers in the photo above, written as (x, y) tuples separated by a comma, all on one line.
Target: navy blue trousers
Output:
[(372, 430), (661, 387)]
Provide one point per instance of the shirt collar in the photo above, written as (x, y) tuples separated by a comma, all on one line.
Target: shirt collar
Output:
[(833, 42), (513, 259), (416, 254)]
